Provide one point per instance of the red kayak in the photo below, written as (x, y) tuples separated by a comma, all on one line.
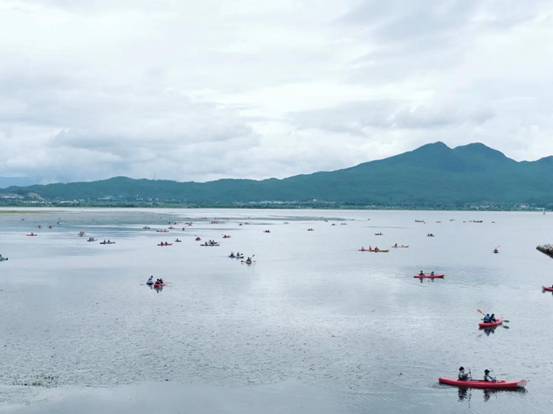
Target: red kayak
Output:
[(484, 385), (487, 325), (547, 289), (429, 276), (158, 285)]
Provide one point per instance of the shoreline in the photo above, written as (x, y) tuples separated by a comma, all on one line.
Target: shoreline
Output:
[(17, 208)]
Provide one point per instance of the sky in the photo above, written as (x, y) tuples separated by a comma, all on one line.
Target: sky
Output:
[(199, 90)]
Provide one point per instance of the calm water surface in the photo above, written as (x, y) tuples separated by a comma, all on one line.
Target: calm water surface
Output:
[(313, 326)]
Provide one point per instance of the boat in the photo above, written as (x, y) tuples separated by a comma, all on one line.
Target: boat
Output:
[(31, 234), (484, 385), (107, 242), (3, 259), (547, 289), (159, 285), (377, 250), (429, 276), (91, 239), (488, 325), (165, 244)]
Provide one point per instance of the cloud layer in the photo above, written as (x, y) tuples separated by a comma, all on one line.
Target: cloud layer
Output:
[(202, 90)]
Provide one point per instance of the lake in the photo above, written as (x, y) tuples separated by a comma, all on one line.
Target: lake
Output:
[(312, 326)]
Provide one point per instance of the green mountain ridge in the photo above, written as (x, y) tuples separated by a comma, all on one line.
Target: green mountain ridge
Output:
[(432, 176)]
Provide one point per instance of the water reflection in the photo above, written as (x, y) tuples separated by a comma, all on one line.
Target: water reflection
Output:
[(465, 394), (489, 331)]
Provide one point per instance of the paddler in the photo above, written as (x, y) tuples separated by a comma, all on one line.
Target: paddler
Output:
[(488, 377), (463, 376)]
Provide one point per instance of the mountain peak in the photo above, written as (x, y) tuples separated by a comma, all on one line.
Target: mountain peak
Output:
[(478, 148), (438, 145)]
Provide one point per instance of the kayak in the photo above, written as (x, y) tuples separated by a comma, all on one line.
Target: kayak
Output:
[(374, 251), (487, 325), (547, 289), (165, 245), (485, 385), (158, 285), (429, 276)]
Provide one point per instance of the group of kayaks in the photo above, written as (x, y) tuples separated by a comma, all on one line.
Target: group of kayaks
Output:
[(481, 384)]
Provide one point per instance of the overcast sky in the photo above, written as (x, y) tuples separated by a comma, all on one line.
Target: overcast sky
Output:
[(197, 90)]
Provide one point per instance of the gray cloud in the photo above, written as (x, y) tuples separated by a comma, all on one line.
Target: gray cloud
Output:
[(202, 90)]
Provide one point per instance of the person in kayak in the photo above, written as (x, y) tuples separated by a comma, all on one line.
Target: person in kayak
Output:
[(421, 273), (488, 377), (431, 273), (463, 376), (150, 280), (492, 318)]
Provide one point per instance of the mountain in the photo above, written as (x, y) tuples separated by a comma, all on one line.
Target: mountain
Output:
[(432, 176)]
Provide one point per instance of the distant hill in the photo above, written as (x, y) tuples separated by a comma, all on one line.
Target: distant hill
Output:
[(432, 176)]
